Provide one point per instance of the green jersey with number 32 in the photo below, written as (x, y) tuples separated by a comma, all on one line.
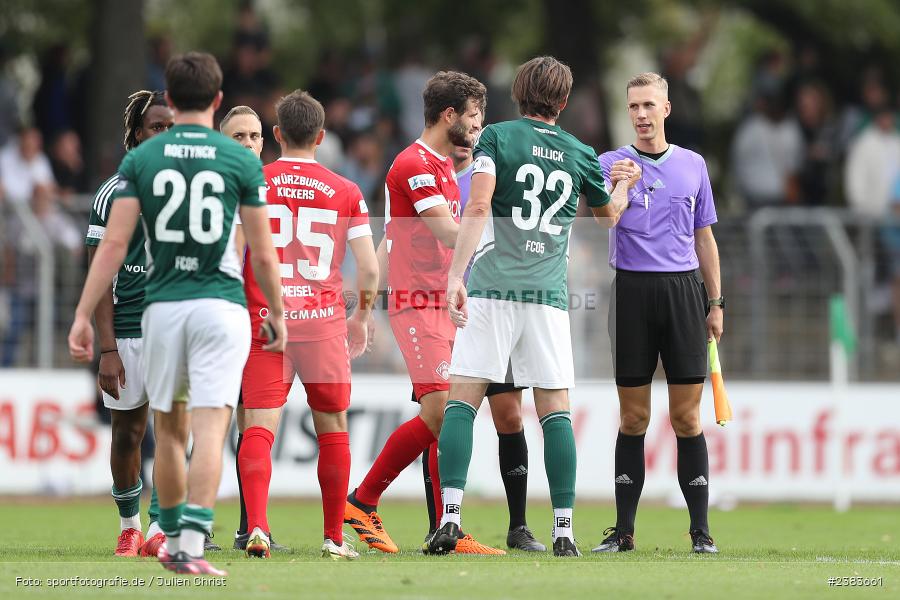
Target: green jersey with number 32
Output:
[(541, 170), (190, 182)]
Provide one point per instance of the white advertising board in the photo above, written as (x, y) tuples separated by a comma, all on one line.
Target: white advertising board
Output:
[(786, 441)]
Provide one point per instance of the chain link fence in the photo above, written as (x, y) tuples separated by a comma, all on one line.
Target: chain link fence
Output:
[(780, 267)]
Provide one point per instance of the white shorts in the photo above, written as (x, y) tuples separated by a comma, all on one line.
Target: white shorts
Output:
[(535, 338), (132, 395), (199, 346)]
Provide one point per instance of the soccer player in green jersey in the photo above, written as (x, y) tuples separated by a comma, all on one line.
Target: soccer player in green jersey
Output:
[(186, 186), (528, 175), (118, 321)]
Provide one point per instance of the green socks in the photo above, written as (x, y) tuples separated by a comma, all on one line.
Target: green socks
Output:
[(186, 526), (455, 444), (129, 499), (197, 518), (153, 511), (170, 520), (559, 457)]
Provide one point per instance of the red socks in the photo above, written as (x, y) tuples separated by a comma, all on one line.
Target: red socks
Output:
[(255, 464), (435, 481), (334, 477), (400, 450)]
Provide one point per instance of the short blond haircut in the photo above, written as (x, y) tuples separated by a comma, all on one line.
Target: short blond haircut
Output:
[(238, 110), (645, 79)]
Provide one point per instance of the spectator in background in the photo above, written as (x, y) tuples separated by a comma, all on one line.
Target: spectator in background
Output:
[(819, 131), (364, 164), (873, 96), (21, 272), (890, 237), (159, 50), (325, 84), (410, 79), (684, 126), (250, 27), (68, 165), (872, 166), (24, 167), (52, 101), (766, 153), (9, 102)]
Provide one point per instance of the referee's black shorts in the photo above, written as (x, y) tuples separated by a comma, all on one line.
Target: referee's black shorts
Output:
[(653, 315)]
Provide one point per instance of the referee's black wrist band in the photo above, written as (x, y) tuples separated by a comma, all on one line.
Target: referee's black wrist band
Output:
[(105, 351)]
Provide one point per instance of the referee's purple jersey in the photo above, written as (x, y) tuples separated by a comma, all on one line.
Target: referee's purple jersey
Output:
[(671, 200)]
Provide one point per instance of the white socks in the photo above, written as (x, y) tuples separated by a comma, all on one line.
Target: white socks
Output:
[(562, 523), (452, 505), (192, 542), (153, 529), (132, 522)]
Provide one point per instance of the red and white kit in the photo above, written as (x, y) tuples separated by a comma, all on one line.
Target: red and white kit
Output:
[(418, 264), (313, 213)]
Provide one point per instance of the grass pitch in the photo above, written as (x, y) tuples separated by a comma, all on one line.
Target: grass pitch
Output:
[(766, 552)]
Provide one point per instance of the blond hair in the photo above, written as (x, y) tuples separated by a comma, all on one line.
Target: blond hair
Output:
[(645, 79), (237, 110)]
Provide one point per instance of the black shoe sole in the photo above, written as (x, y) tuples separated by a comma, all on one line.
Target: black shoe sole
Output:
[(442, 544)]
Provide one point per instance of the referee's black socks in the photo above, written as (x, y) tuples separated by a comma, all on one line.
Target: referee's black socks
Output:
[(693, 477), (629, 479), (513, 451)]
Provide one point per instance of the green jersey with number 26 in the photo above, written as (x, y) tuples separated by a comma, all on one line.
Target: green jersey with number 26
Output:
[(190, 182), (541, 170)]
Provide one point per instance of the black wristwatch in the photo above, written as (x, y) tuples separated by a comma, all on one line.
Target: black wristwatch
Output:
[(720, 302)]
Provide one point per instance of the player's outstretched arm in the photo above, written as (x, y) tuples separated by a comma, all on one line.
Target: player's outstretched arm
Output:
[(110, 254), (608, 214), (474, 218), (441, 224), (112, 372), (264, 260), (367, 279)]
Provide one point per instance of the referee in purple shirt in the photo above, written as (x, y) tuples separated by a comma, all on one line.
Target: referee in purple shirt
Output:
[(660, 308)]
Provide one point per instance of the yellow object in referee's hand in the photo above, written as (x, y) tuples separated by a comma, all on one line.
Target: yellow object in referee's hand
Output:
[(720, 397)]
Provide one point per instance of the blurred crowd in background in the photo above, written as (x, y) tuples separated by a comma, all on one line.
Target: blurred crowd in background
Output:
[(795, 142)]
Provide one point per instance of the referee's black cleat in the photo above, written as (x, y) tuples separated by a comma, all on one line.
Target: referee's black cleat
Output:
[(521, 538), (615, 541), (427, 540), (209, 545), (444, 539), (241, 539), (563, 546), (702, 543)]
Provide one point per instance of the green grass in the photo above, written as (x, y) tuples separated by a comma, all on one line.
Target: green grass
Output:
[(766, 552)]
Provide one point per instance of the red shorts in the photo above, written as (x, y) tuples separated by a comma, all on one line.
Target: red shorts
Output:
[(323, 367), (425, 337)]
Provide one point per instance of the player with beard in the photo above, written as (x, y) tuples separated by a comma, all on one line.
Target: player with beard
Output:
[(422, 208)]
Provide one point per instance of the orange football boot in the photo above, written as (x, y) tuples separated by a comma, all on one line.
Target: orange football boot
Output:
[(369, 528)]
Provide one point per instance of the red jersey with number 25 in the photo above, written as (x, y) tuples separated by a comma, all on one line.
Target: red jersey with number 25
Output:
[(418, 262), (313, 213)]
